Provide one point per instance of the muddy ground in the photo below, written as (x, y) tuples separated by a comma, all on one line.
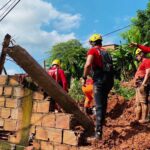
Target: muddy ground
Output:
[(121, 131)]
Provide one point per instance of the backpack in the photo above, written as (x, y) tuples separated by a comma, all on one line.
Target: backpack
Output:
[(107, 72), (107, 61)]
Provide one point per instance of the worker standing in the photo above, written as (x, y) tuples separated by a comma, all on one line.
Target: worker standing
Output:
[(142, 82), (58, 75), (100, 64)]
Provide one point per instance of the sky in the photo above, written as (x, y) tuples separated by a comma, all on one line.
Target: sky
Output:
[(38, 25)]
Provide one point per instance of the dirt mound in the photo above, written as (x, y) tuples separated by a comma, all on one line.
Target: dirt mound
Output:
[(121, 131)]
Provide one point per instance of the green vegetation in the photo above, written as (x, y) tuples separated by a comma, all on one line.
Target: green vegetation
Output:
[(124, 62), (72, 56), (126, 92), (139, 32), (75, 90)]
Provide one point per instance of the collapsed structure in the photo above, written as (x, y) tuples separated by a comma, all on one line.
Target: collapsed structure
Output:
[(25, 112)]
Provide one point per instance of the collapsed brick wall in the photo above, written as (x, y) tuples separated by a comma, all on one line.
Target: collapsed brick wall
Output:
[(47, 130)]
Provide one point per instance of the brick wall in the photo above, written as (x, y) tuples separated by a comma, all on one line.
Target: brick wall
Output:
[(46, 130)]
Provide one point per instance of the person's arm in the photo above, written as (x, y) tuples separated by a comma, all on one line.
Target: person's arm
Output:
[(145, 49), (87, 66), (146, 78)]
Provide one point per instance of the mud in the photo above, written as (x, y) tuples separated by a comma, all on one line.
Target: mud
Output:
[(121, 131)]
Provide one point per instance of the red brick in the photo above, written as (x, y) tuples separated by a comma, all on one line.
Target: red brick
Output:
[(1, 122), (34, 109), (1, 90), (61, 147), (19, 125), (38, 95), (7, 90), (29, 148), (13, 80), (48, 120), (70, 138), (14, 138), (18, 91), (41, 133), (73, 148), (2, 101), (36, 119), (32, 129), (3, 79), (46, 146), (64, 121), (12, 103), (85, 148), (16, 113), (36, 145), (55, 135), (43, 106), (10, 125), (5, 112)]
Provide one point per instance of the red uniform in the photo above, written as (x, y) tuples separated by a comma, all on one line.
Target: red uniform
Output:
[(145, 49), (97, 61), (141, 71), (59, 76)]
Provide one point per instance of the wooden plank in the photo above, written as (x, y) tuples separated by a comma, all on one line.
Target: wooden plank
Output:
[(3, 53), (40, 76)]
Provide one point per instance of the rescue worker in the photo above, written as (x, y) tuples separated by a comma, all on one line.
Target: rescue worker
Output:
[(145, 49), (58, 75), (102, 84), (142, 78), (88, 92)]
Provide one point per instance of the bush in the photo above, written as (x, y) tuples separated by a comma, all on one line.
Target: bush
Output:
[(75, 90), (127, 93)]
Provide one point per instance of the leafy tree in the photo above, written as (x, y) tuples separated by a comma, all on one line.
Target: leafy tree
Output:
[(124, 62), (75, 90), (72, 56), (140, 29), (142, 22), (139, 32)]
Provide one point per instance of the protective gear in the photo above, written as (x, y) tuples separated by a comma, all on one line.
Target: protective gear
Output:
[(138, 51), (56, 62), (95, 37)]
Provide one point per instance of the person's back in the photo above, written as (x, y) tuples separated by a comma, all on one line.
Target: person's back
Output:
[(53, 72), (58, 74)]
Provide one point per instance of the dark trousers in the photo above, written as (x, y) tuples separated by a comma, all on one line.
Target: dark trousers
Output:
[(101, 90)]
